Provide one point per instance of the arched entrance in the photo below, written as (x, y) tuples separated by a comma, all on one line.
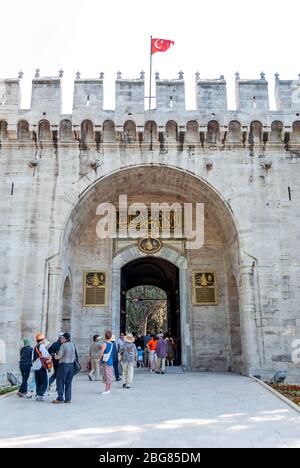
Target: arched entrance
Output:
[(205, 329), (169, 270), (235, 326), (151, 271)]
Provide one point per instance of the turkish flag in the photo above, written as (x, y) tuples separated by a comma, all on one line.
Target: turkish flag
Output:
[(161, 45)]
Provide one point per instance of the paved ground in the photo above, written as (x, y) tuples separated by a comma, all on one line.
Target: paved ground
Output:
[(175, 410)]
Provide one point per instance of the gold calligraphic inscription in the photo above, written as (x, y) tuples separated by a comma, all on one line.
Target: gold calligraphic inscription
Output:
[(150, 245), (164, 221), (205, 289), (94, 289)]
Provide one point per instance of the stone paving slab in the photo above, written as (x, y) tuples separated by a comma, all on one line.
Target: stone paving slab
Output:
[(187, 410)]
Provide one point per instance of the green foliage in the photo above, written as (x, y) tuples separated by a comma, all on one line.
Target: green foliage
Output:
[(5, 390), (146, 308)]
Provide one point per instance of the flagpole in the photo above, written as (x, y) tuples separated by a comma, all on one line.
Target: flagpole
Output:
[(150, 93)]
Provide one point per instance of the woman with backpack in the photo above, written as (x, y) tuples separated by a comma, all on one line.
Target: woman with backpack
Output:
[(41, 363), (106, 359)]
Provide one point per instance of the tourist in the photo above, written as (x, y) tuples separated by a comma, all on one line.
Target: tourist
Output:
[(152, 358), (161, 352), (115, 358), (40, 358), (170, 350), (66, 357), (120, 341), (147, 338), (94, 358), (52, 350), (140, 354), (26, 355), (136, 340), (106, 359), (140, 342), (128, 359)]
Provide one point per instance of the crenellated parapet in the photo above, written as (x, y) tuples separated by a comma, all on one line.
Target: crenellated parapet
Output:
[(88, 95), (287, 94), (252, 95), (167, 123), (211, 94)]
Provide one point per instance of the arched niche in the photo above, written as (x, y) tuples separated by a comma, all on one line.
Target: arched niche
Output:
[(171, 132), (87, 133), (23, 133), (276, 135), (255, 134), (109, 132), (234, 132), (129, 131), (213, 132), (296, 132), (44, 132), (3, 130), (192, 133), (65, 130), (150, 132)]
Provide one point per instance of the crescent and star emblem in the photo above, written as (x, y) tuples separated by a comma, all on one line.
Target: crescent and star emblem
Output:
[(158, 44)]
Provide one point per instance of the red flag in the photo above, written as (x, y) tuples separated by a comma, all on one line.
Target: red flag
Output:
[(161, 45)]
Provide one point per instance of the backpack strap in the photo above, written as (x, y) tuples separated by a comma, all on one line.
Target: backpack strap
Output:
[(38, 352)]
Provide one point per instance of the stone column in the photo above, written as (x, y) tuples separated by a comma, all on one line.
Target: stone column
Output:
[(248, 313), (115, 298), (52, 306), (186, 345)]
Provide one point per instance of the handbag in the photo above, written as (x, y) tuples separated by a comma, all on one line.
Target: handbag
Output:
[(77, 366), (46, 361)]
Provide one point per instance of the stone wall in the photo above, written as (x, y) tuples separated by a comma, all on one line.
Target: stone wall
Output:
[(248, 181)]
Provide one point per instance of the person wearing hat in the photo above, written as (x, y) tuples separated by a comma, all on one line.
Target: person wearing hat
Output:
[(94, 358), (52, 350), (26, 355), (115, 358), (128, 359), (66, 357), (161, 352), (41, 373)]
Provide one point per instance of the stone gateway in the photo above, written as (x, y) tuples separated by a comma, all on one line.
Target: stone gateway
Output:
[(232, 304)]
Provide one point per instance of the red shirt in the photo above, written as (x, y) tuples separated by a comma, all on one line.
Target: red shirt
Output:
[(152, 345)]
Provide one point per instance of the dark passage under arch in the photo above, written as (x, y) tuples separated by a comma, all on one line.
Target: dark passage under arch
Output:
[(152, 271)]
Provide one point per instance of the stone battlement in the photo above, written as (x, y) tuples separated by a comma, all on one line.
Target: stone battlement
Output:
[(210, 123)]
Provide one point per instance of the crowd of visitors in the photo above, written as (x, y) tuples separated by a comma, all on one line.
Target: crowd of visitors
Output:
[(114, 359)]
